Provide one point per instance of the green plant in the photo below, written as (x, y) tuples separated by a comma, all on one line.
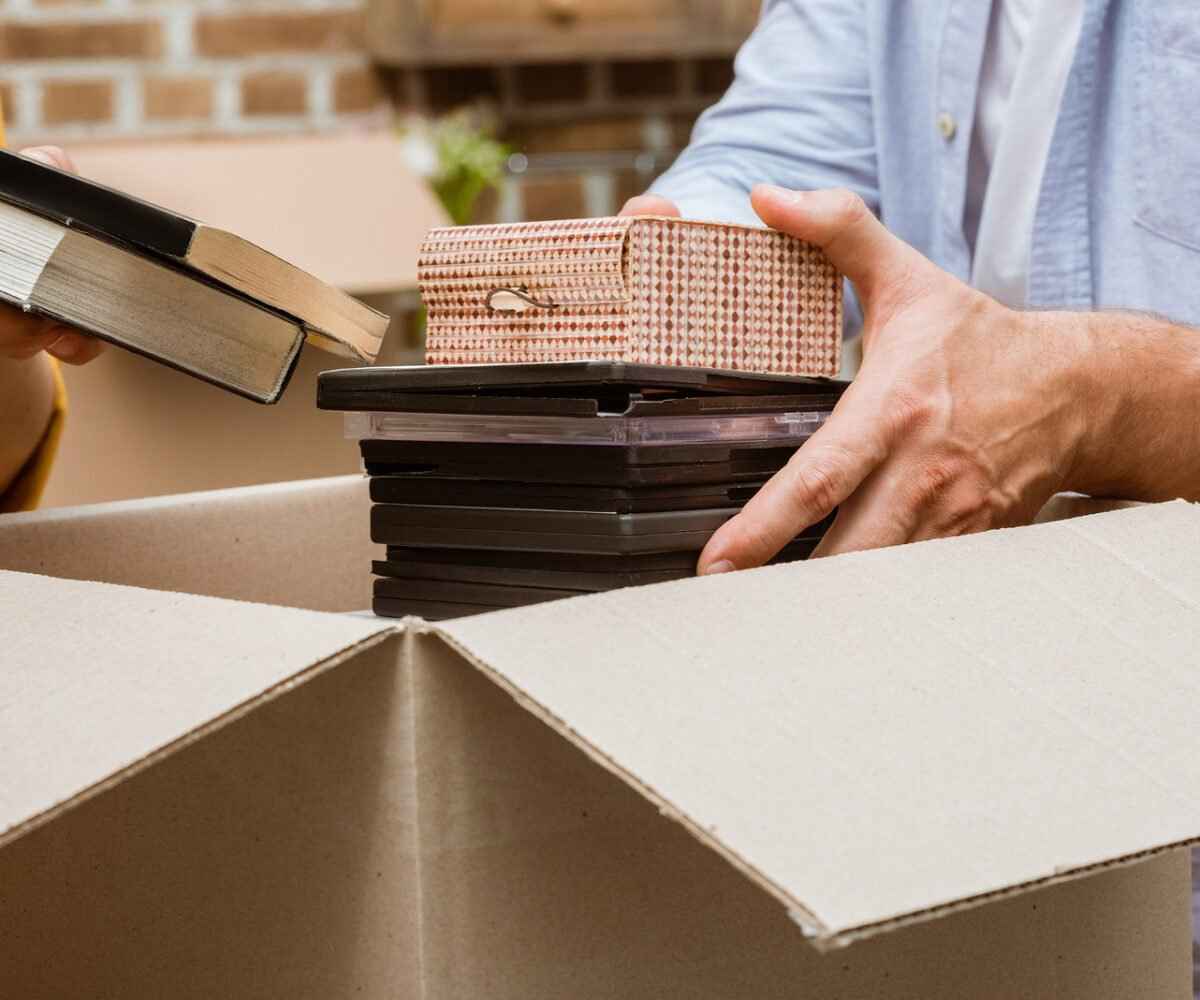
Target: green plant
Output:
[(459, 156)]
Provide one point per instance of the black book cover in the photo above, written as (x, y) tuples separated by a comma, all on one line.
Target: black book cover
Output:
[(111, 214), (354, 388)]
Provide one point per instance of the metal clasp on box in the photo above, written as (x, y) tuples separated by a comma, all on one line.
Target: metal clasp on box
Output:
[(515, 299)]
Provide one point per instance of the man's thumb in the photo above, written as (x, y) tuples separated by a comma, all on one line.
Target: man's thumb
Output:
[(52, 156), (839, 222)]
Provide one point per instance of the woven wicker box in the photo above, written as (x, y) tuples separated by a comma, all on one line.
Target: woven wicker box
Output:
[(644, 289)]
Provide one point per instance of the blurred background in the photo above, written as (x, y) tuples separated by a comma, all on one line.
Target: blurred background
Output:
[(334, 133)]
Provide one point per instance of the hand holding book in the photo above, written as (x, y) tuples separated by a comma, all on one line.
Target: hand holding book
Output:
[(24, 335), (188, 295)]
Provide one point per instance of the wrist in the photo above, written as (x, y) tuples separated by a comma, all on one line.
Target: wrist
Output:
[(1092, 406), (1062, 403), (1135, 380)]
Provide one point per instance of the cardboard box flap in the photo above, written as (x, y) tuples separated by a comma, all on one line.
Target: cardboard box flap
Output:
[(885, 736), (156, 671), (221, 543)]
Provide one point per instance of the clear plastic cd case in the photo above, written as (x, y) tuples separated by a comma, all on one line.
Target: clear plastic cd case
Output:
[(785, 428)]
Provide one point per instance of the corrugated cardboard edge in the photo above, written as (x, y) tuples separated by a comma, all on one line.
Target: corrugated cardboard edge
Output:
[(822, 937), (409, 628), (200, 732)]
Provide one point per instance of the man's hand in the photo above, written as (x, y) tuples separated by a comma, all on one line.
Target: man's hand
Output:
[(26, 380), (22, 336), (650, 204), (965, 415)]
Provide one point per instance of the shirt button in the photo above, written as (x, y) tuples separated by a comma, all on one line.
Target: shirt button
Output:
[(947, 125)]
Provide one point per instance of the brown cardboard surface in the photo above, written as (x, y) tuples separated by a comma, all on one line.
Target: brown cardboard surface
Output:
[(272, 858), (1012, 707), (346, 208), (135, 428), (544, 876), (300, 544), (161, 667), (274, 802), (184, 779)]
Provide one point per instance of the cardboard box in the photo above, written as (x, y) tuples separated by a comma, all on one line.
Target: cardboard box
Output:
[(346, 207), (954, 769), (135, 429)]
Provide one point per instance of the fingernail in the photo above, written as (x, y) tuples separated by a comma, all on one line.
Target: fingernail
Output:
[(721, 566), (781, 193), (39, 154), (65, 348)]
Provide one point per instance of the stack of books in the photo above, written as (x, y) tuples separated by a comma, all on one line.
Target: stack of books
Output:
[(496, 486), (189, 295)]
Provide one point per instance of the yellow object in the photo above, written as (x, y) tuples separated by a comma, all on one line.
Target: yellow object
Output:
[(26, 489)]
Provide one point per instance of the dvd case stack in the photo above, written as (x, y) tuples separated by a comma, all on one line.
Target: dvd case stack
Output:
[(495, 486)]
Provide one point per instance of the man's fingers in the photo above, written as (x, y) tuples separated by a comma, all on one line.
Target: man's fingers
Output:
[(22, 335), (822, 474), (74, 348), (650, 204), (52, 156), (873, 518), (839, 222), (816, 479)]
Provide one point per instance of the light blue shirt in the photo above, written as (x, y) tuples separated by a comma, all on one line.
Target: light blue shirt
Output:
[(848, 93)]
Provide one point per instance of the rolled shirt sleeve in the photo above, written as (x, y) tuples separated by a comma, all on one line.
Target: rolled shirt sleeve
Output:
[(798, 114)]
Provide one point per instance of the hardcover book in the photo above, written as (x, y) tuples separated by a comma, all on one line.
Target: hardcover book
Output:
[(192, 296)]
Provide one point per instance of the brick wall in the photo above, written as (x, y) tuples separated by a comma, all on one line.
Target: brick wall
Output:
[(590, 134), (82, 69)]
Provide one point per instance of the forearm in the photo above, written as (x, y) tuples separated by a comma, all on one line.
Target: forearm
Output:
[(1142, 408), (26, 404)]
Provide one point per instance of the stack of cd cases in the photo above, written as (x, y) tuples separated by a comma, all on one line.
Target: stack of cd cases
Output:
[(496, 486)]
